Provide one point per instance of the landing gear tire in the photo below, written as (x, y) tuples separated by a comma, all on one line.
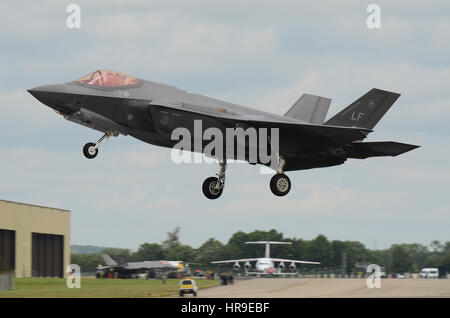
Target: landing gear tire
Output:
[(280, 185), (90, 151), (209, 188)]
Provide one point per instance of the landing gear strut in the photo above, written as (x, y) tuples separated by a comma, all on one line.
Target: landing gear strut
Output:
[(280, 184), (213, 186), (90, 150)]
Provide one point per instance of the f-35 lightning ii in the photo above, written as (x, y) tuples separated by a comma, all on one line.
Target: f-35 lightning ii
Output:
[(116, 103)]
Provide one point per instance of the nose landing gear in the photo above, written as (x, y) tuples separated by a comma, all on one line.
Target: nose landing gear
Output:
[(90, 150)]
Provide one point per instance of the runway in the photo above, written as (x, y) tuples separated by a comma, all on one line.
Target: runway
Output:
[(293, 288)]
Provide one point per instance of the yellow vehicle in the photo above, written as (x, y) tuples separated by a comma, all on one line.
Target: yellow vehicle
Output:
[(188, 286)]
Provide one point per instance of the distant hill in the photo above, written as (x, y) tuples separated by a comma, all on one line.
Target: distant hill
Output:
[(85, 249)]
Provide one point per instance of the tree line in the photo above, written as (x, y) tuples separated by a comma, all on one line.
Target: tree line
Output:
[(345, 257)]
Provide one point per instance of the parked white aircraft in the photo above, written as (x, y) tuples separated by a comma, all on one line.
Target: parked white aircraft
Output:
[(266, 265)]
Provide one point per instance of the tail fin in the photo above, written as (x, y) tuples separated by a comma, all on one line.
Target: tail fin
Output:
[(310, 108), (366, 111), (268, 243), (109, 260)]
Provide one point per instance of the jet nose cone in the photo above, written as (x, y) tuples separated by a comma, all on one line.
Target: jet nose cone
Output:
[(50, 95), (34, 92), (54, 88), (41, 95), (37, 93)]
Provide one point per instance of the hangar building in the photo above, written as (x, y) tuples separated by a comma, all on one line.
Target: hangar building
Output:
[(34, 240)]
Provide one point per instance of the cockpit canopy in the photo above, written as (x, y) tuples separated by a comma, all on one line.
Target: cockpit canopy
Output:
[(106, 78)]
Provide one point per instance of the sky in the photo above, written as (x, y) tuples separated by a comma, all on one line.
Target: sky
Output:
[(261, 54)]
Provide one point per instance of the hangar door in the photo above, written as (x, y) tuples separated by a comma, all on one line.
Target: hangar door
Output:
[(47, 255), (8, 248)]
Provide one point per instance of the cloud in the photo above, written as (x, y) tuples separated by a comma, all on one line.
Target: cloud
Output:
[(163, 205), (263, 54), (140, 159), (38, 19), (320, 201), (423, 89), (22, 113)]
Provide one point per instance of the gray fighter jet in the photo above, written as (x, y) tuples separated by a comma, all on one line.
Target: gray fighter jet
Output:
[(133, 269), (115, 103)]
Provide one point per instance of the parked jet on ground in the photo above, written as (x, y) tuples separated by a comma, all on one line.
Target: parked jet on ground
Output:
[(115, 103), (132, 269), (265, 265)]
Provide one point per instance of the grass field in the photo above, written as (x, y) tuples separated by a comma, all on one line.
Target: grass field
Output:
[(91, 287)]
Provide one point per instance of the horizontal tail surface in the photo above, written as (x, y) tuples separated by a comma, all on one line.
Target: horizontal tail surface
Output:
[(362, 150)]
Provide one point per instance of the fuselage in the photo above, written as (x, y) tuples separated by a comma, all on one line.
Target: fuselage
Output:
[(116, 103), (151, 111), (125, 104), (265, 265)]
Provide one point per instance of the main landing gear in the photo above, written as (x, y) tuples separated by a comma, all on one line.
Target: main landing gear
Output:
[(212, 186), (280, 184), (90, 150)]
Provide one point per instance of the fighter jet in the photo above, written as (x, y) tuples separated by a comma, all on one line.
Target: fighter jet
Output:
[(266, 265), (116, 103), (133, 269)]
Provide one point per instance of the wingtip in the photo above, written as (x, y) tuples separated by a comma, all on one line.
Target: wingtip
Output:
[(386, 91)]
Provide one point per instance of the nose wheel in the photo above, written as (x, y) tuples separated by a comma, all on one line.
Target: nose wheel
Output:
[(213, 186), (90, 150)]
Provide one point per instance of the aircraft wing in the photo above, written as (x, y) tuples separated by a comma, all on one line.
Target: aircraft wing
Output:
[(289, 127), (272, 274), (151, 265), (236, 260), (103, 267), (330, 133), (293, 261)]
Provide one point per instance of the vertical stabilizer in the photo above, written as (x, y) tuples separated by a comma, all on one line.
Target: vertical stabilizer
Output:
[(109, 260), (310, 108), (268, 243), (366, 111)]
